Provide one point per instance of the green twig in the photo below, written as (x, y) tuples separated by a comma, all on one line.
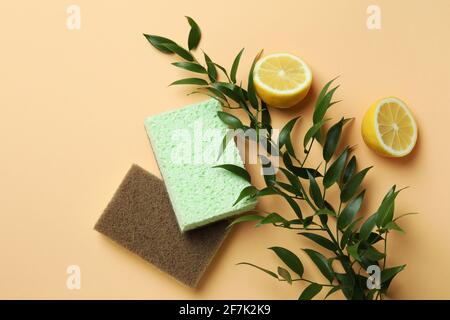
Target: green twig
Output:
[(309, 281), (337, 216), (307, 152)]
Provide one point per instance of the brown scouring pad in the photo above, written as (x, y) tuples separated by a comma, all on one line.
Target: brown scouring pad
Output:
[(140, 218)]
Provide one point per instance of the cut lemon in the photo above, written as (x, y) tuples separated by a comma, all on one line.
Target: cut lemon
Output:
[(389, 128), (282, 80)]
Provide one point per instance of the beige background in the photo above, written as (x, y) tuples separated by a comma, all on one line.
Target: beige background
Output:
[(72, 109)]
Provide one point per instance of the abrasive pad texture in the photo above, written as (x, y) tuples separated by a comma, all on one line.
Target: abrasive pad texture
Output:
[(181, 140), (140, 218)]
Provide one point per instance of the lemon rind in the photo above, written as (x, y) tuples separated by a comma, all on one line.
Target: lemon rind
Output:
[(305, 84), (389, 150)]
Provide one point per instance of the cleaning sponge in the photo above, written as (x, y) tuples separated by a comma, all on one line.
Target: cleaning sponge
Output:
[(186, 144), (140, 218)]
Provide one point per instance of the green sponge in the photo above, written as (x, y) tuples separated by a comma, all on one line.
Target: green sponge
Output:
[(186, 144)]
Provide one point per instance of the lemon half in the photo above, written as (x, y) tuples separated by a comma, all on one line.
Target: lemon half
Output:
[(389, 128), (282, 80)]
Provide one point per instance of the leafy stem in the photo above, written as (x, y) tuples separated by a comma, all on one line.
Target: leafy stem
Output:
[(385, 250), (309, 281), (308, 151), (353, 243), (337, 216)]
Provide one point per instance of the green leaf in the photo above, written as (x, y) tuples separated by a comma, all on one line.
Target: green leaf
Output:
[(266, 164), (299, 171), (249, 191), (194, 35), (183, 53), (365, 262), (333, 290), (236, 170), (251, 86), (159, 43), (211, 67), (334, 173), (285, 275), (368, 226), (310, 292), (322, 263), (371, 294), (265, 117), (285, 136), (373, 254), (332, 140), (313, 131), (246, 218), (307, 221), (228, 89), (223, 70), (360, 287), (286, 132), (267, 191), (296, 222), (190, 66), (330, 207), (195, 81), (349, 170), (272, 218), (346, 282), (374, 238), (235, 66), (389, 273), (290, 259), (294, 181), (315, 192), (322, 104), (348, 214), (217, 93), (243, 94), (273, 274), (243, 105), (353, 184), (294, 205), (353, 251), (323, 219), (325, 89), (320, 240), (325, 211), (386, 209), (289, 188), (223, 146), (348, 233), (230, 120), (393, 226), (290, 147)]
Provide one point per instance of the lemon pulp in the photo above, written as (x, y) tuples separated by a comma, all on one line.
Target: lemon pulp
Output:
[(389, 128), (282, 79)]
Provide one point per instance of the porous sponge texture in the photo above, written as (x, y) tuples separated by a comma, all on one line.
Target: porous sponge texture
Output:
[(140, 218), (186, 144)]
